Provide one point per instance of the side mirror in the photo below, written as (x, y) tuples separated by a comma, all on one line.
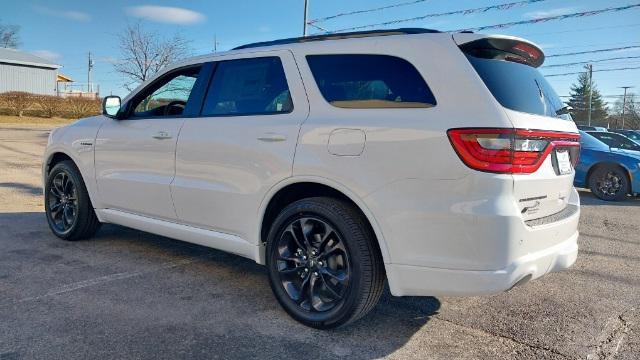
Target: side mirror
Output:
[(111, 106)]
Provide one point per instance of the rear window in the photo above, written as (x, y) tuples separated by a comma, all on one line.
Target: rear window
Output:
[(518, 86), (248, 87), (589, 142), (370, 81)]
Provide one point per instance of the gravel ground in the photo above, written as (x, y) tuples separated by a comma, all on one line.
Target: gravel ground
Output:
[(127, 294)]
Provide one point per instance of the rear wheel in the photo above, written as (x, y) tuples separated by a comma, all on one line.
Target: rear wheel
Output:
[(69, 211), (323, 266), (609, 182)]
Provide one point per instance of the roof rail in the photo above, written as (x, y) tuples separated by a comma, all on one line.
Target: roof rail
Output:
[(337, 36)]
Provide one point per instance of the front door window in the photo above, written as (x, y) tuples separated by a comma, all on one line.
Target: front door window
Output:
[(169, 96)]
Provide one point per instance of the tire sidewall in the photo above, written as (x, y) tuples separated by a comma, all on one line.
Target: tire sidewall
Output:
[(81, 193), (334, 317)]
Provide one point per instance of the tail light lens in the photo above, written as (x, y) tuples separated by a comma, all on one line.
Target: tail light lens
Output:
[(510, 151)]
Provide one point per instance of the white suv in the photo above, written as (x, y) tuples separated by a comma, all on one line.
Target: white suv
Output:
[(439, 162)]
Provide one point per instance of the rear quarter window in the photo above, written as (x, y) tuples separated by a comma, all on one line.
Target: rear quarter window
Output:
[(370, 81)]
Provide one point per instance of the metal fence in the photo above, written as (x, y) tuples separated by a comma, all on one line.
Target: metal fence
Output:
[(78, 90)]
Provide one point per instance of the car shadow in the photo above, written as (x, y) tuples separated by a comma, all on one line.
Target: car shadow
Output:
[(231, 290), (22, 187), (587, 198)]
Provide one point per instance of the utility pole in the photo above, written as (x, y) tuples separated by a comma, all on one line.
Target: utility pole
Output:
[(215, 43), (590, 67), (89, 68), (306, 13), (624, 101)]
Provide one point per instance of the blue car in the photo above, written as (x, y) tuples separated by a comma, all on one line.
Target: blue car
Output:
[(610, 173)]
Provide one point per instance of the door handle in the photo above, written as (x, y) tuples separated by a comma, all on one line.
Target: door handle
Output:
[(272, 137), (160, 135)]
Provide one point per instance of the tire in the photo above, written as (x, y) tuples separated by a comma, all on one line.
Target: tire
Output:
[(609, 182), (344, 277), (67, 205)]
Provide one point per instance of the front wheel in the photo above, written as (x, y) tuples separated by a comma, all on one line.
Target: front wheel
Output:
[(609, 183), (324, 267), (67, 205)]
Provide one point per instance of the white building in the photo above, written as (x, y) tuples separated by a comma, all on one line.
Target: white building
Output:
[(20, 71)]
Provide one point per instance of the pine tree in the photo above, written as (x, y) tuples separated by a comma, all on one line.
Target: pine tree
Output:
[(580, 102)]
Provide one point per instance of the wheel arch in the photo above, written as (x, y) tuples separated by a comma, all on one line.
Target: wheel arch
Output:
[(51, 158), (59, 154), (608, 163), (295, 189), (55, 158)]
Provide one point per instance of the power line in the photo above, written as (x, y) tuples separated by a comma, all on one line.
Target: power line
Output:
[(601, 70), (551, 18), (483, 9), (317, 27), (581, 30), (591, 46), (607, 96), (595, 51), (592, 61), (355, 12)]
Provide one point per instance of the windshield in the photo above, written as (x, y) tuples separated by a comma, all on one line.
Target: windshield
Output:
[(518, 86), (589, 142)]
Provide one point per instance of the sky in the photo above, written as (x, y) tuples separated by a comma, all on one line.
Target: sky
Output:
[(65, 31)]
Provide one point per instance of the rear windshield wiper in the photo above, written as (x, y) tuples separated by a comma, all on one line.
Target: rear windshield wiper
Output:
[(564, 110)]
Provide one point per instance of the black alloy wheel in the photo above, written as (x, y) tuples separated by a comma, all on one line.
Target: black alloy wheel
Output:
[(67, 206), (324, 267), (313, 264), (609, 183), (63, 202)]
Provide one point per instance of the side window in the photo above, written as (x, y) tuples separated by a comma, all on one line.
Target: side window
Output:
[(169, 96), (248, 86), (590, 142), (370, 81)]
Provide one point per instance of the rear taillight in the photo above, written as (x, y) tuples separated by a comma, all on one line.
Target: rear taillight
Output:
[(510, 151)]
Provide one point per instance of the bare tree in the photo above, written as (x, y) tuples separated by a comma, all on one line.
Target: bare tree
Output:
[(631, 113), (9, 36), (143, 53)]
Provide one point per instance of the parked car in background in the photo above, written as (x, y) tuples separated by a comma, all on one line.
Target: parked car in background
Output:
[(591, 128), (615, 140), (340, 162), (631, 134), (610, 173)]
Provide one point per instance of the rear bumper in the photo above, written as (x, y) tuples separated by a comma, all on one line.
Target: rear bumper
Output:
[(442, 245), (407, 280)]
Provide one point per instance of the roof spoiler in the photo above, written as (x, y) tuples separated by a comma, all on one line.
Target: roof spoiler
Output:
[(500, 47)]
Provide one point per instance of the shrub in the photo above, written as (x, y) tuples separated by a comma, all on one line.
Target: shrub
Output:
[(18, 101), (49, 105), (80, 107), (22, 103)]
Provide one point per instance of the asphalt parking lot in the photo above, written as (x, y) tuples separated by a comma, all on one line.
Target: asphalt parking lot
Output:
[(127, 294)]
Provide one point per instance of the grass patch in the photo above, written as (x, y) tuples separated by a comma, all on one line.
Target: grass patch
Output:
[(32, 120)]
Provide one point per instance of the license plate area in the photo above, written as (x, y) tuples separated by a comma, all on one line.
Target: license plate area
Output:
[(561, 159)]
